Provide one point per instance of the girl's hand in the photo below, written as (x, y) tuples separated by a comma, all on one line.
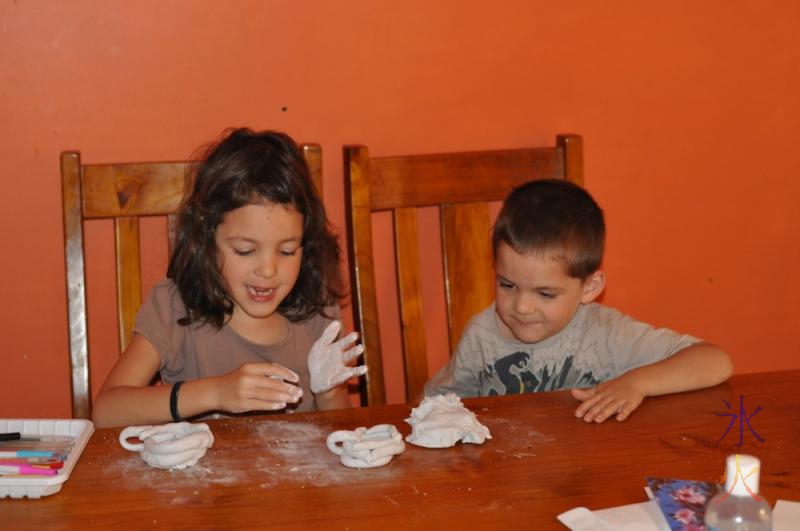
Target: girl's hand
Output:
[(257, 386), (327, 361), (619, 396)]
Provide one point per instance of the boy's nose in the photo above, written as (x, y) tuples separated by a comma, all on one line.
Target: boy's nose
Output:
[(524, 304)]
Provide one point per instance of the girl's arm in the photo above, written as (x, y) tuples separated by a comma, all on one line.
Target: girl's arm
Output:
[(127, 385), (328, 369), (336, 398), (695, 367), (127, 398)]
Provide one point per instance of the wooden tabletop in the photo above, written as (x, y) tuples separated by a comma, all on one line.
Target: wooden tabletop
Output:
[(275, 471)]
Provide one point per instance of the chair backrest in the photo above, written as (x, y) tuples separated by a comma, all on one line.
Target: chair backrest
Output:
[(124, 193), (462, 185)]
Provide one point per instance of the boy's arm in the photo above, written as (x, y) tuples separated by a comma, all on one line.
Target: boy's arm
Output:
[(694, 367)]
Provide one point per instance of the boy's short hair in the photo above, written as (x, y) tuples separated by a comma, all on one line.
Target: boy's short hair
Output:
[(553, 216)]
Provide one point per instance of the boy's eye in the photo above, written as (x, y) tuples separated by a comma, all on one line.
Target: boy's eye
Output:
[(547, 295), (505, 284)]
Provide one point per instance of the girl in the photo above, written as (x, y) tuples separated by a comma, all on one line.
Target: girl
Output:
[(252, 281)]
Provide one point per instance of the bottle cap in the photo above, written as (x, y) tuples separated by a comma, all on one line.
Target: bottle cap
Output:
[(742, 472)]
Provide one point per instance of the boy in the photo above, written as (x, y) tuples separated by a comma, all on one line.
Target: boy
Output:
[(544, 333)]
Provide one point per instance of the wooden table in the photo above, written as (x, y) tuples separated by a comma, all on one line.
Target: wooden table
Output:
[(275, 472)]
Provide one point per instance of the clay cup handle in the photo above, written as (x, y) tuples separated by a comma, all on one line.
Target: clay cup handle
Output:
[(337, 437), (131, 432)]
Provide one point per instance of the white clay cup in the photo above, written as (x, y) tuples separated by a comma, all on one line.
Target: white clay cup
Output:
[(366, 448), (176, 445)]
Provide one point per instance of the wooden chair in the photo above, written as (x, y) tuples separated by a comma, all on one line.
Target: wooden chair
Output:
[(461, 184), (124, 193)]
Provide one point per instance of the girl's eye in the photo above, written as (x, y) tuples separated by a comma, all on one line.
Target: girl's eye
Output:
[(288, 252), (241, 252)]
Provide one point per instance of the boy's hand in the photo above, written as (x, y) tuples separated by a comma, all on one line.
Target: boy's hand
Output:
[(256, 386), (327, 361), (618, 396)]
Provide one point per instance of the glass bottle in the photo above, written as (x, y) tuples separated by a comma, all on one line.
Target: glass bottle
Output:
[(737, 508)]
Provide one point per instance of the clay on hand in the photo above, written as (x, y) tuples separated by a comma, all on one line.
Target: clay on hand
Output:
[(327, 361), (176, 445), (441, 421), (366, 448)]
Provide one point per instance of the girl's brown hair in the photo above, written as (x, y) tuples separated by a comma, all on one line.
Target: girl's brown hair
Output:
[(248, 167)]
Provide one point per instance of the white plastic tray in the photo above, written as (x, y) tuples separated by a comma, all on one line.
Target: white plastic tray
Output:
[(34, 487)]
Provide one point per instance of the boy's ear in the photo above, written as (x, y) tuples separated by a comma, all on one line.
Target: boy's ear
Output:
[(593, 287)]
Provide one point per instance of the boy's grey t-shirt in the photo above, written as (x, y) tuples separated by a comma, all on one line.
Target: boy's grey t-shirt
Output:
[(199, 351), (598, 344)]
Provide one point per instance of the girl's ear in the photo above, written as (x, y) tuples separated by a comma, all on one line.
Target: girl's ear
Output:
[(593, 287)]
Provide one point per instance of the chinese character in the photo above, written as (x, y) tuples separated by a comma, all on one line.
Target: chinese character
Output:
[(742, 419), (736, 479)]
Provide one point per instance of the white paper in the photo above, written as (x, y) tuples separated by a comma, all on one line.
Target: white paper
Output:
[(785, 515), (645, 516), (582, 519)]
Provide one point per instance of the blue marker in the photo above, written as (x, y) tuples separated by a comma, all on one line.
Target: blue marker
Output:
[(28, 453)]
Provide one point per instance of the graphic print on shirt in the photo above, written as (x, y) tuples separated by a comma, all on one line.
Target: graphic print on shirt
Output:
[(515, 374)]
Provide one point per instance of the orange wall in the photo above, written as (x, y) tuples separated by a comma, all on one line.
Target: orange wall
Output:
[(689, 112)]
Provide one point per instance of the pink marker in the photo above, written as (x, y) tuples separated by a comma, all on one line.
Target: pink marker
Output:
[(27, 470)]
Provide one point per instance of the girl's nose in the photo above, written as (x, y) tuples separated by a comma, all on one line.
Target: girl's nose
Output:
[(267, 268)]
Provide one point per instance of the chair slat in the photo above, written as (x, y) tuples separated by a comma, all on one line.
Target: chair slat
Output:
[(312, 153), (76, 285), (428, 180), (572, 146), (112, 190), (469, 282), (129, 276), (172, 225), (365, 302), (410, 294)]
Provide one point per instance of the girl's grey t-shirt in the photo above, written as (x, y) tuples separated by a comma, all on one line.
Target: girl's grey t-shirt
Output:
[(598, 344), (201, 350)]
